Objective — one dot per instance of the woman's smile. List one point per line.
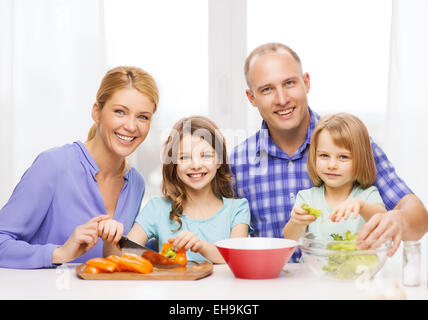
(125, 139)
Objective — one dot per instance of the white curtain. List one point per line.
(406, 138)
(52, 59)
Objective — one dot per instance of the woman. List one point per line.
(66, 199)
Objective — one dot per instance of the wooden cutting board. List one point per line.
(190, 272)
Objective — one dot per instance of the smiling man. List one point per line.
(270, 167)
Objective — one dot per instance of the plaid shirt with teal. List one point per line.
(270, 179)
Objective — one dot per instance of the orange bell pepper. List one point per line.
(92, 269)
(176, 256)
(102, 264)
(116, 259)
(134, 263)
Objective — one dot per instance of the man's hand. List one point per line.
(379, 228)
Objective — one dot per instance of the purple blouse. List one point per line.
(55, 195)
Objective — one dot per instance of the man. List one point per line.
(270, 166)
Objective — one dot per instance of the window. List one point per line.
(343, 45)
(168, 39)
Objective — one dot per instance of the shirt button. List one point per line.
(292, 196)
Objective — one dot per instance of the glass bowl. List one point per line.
(343, 260)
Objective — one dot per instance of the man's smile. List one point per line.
(285, 112)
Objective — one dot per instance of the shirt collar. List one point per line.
(266, 144)
(90, 163)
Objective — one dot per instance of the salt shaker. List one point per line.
(411, 263)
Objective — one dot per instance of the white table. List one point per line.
(296, 284)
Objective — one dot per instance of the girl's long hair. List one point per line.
(173, 189)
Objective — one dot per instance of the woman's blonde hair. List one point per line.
(173, 188)
(349, 132)
(123, 77)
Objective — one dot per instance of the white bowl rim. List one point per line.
(259, 243)
(304, 245)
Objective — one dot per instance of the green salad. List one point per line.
(313, 211)
(344, 265)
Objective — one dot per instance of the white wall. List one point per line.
(52, 60)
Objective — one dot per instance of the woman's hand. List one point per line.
(83, 238)
(188, 241)
(110, 231)
(345, 209)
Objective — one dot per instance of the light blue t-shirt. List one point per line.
(322, 227)
(154, 219)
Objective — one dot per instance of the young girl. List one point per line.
(342, 170)
(198, 206)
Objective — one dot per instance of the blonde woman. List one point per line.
(342, 169)
(67, 198)
(198, 206)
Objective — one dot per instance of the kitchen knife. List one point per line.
(158, 260)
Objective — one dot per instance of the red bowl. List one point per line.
(256, 258)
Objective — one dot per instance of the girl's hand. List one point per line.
(345, 209)
(301, 217)
(110, 231)
(187, 240)
(83, 238)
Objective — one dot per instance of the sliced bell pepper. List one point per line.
(102, 264)
(134, 263)
(176, 256)
(116, 259)
(92, 269)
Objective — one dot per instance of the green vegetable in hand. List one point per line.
(315, 212)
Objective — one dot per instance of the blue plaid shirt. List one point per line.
(270, 179)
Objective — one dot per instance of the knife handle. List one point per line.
(122, 241)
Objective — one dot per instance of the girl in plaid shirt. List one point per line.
(342, 169)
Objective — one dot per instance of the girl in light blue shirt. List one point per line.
(198, 206)
(342, 169)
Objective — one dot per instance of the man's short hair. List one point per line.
(267, 48)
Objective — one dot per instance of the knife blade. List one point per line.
(158, 260)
